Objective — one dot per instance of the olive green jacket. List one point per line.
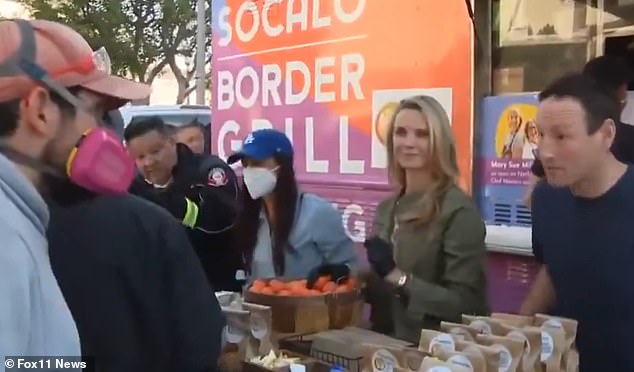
(445, 261)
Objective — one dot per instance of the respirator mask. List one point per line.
(98, 162)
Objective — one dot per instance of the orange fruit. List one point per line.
(267, 291)
(329, 287)
(295, 285)
(258, 284)
(342, 288)
(277, 285)
(303, 282)
(313, 292)
(321, 282)
(302, 291)
(284, 292)
(255, 289)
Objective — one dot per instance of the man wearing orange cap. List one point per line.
(132, 282)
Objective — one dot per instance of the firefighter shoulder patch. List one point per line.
(217, 177)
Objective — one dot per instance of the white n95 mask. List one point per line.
(259, 181)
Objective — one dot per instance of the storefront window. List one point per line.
(536, 41)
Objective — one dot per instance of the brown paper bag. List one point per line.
(568, 325)
(513, 319)
(459, 330)
(380, 358)
(571, 361)
(261, 326)
(510, 350)
(532, 339)
(412, 358)
(238, 330)
(430, 340)
(470, 359)
(553, 347)
(485, 325)
(490, 355)
(431, 364)
(377, 358)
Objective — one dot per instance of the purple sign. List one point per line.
(507, 172)
(509, 140)
(508, 146)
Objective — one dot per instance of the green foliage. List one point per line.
(141, 36)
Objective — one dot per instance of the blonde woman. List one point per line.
(428, 243)
(531, 134)
(514, 142)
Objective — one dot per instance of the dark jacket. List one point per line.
(137, 292)
(213, 186)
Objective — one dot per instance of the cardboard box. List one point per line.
(508, 80)
(344, 309)
(295, 315)
(345, 347)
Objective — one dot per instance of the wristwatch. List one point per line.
(402, 281)
(401, 291)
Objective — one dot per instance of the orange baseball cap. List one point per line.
(67, 58)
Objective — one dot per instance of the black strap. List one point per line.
(11, 66)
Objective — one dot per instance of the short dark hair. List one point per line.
(598, 103)
(10, 112)
(193, 124)
(613, 71)
(141, 126)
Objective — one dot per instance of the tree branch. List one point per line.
(156, 70)
(192, 87)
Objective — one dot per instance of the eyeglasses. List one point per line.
(102, 60)
(99, 60)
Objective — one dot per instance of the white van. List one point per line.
(176, 115)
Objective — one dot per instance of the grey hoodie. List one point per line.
(34, 317)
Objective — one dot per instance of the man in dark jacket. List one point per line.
(133, 284)
(201, 191)
(134, 287)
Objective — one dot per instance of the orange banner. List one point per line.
(339, 62)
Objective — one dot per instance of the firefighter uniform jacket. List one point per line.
(203, 196)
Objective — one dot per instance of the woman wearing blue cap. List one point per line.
(282, 231)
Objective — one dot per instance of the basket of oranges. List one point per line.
(298, 309)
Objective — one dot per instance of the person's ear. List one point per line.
(171, 139)
(608, 132)
(40, 113)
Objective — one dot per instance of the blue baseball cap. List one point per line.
(263, 144)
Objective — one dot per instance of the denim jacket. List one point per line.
(317, 237)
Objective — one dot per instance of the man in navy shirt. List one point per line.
(582, 223)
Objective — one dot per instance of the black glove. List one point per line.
(380, 256)
(337, 272)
